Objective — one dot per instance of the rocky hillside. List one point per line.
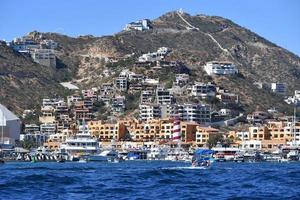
(194, 40)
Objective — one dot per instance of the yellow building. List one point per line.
(203, 134)
(53, 143)
(272, 136)
(159, 130)
(107, 131)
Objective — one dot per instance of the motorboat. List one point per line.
(104, 156)
(202, 158)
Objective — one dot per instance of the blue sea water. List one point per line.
(149, 180)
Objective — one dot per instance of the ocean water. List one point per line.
(149, 180)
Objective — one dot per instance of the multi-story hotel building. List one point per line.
(107, 131)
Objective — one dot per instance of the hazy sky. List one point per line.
(276, 20)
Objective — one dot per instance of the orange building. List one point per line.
(203, 134)
(107, 131)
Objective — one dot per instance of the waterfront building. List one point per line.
(203, 134)
(252, 145)
(10, 126)
(54, 141)
(107, 131)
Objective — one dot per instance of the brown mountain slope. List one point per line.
(211, 38)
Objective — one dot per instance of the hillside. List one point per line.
(193, 40)
(24, 82)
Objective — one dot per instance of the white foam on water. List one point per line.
(189, 168)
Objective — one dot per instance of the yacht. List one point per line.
(81, 143)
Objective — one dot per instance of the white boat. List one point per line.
(82, 161)
(228, 153)
(178, 154)
(81, 143)
(157, 153)
(104, 156)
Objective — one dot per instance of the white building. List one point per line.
(154, 56)
(31, 128)
(203, 90)
(278, 88)
(199, 113)
(139, 25)
(48, 129)
(220, 68)
(53, 102)
(44, 57)
(10, 126)
(294, 99)
(149, 111)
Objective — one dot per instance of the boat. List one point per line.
(202, 158)
(157, 152)
(104, 156)
(60, 160)
(225, 153)
(82, 160)
(238, 157)
(293, 155)
(81, 143)
(137, 154)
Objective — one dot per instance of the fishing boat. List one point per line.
(202, 158)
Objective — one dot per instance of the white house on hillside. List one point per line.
(10, 126)
(220, 68)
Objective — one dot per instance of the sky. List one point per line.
(275, 20)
